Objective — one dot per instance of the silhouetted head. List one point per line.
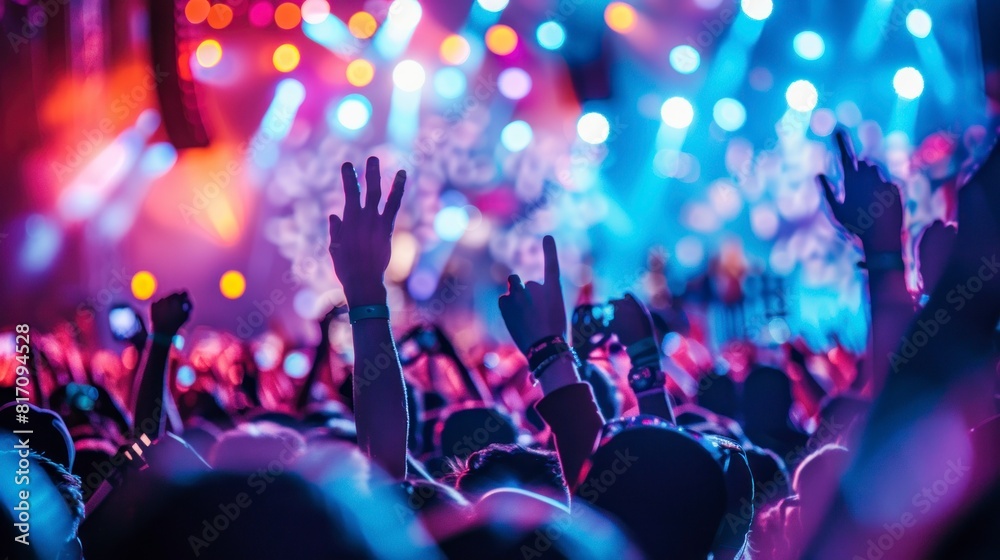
(663, 484)
(256, 444)
(511, 466)
(50, 436)
(464, 431)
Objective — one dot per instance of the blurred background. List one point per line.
(670, 146)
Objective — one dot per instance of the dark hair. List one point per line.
(464, 431)
(50, 538)
(510, 466)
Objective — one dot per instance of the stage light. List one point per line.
(296, 365)
(908, 83)
(315, 11)
(449, 83)
(220, 16)
(757, 9)
(620, 17)
(208, 53)
(287, 16)
(360, 72)
(493, 5)
(286, 58)
(593, 128)
(450, 223)
(408, 75)
(514, 83)
(809, 45)
(550, 35)
(919, 23)
(516, 136)
(802, 96)
(729, 114)
(354, 112)
(185, 376)
(362, 25)
(143, 285)
(406, 13)
(685, 59)
(454, 49)
(232, 284)
(677, 112)
(501, 40)
(261, 13)
(197, 10)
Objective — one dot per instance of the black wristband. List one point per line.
(543, 349)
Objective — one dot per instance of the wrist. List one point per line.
(370, 296)
(164, 339)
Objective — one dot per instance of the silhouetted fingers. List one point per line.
(831, 197)
(352, 191)
(551, 260)
(373, 179)
(847, 157)
(395, 199)
(335, 224)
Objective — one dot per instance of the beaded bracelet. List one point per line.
(368, 312)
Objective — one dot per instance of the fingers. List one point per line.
(352, 192)
(847, 156)
(335, 224)
(395, 198)
(551, 260)
(373, 179)
(831, 197)
(514, 284)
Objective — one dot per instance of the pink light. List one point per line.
(261, 14)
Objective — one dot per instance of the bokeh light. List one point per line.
(757, 9)
(232, 284)
(908, 83)
(143, 285)
(296, 365)
(516, 136)
(196, 11)
(593, 128)
(286, 58)
(729, 114)
(315, 11)
(408, 75)
(685, 59)
(287, 16)
(677, 112)
(919, 23)
(185, 376)
(802, 96)
(360, 72)
(501, 40)
(450, 223)
(809, 45)
(620, 17)
(449, 83)
(261, 14)
(362, 25)
(220, 16)
(550, 35)
(354, 112)
(514, 83)
(493, 5)
(208, 53)
(454, 49)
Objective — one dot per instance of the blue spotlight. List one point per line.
(516, 136)
(550, 35)
(685, 59)
(809, 45)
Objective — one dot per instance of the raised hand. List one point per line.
(170, 313)
(934, 249)
(360, 242)
(535, 311)
(632, 321)
(872, 209)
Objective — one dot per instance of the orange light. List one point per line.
(501, 39)
(197, 10)
(620, 17)
(362, 25)
(232, 284)
(455, 49)
(209, 53)
(287, 16)
(286, 58)
(220, 16)
(360, 72)
(143, 285)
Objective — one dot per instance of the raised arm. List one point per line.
(152, 394)
(872, 211)
(535, 315)
(360, 245)
(634, 327)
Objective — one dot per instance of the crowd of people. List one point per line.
(596, 448)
